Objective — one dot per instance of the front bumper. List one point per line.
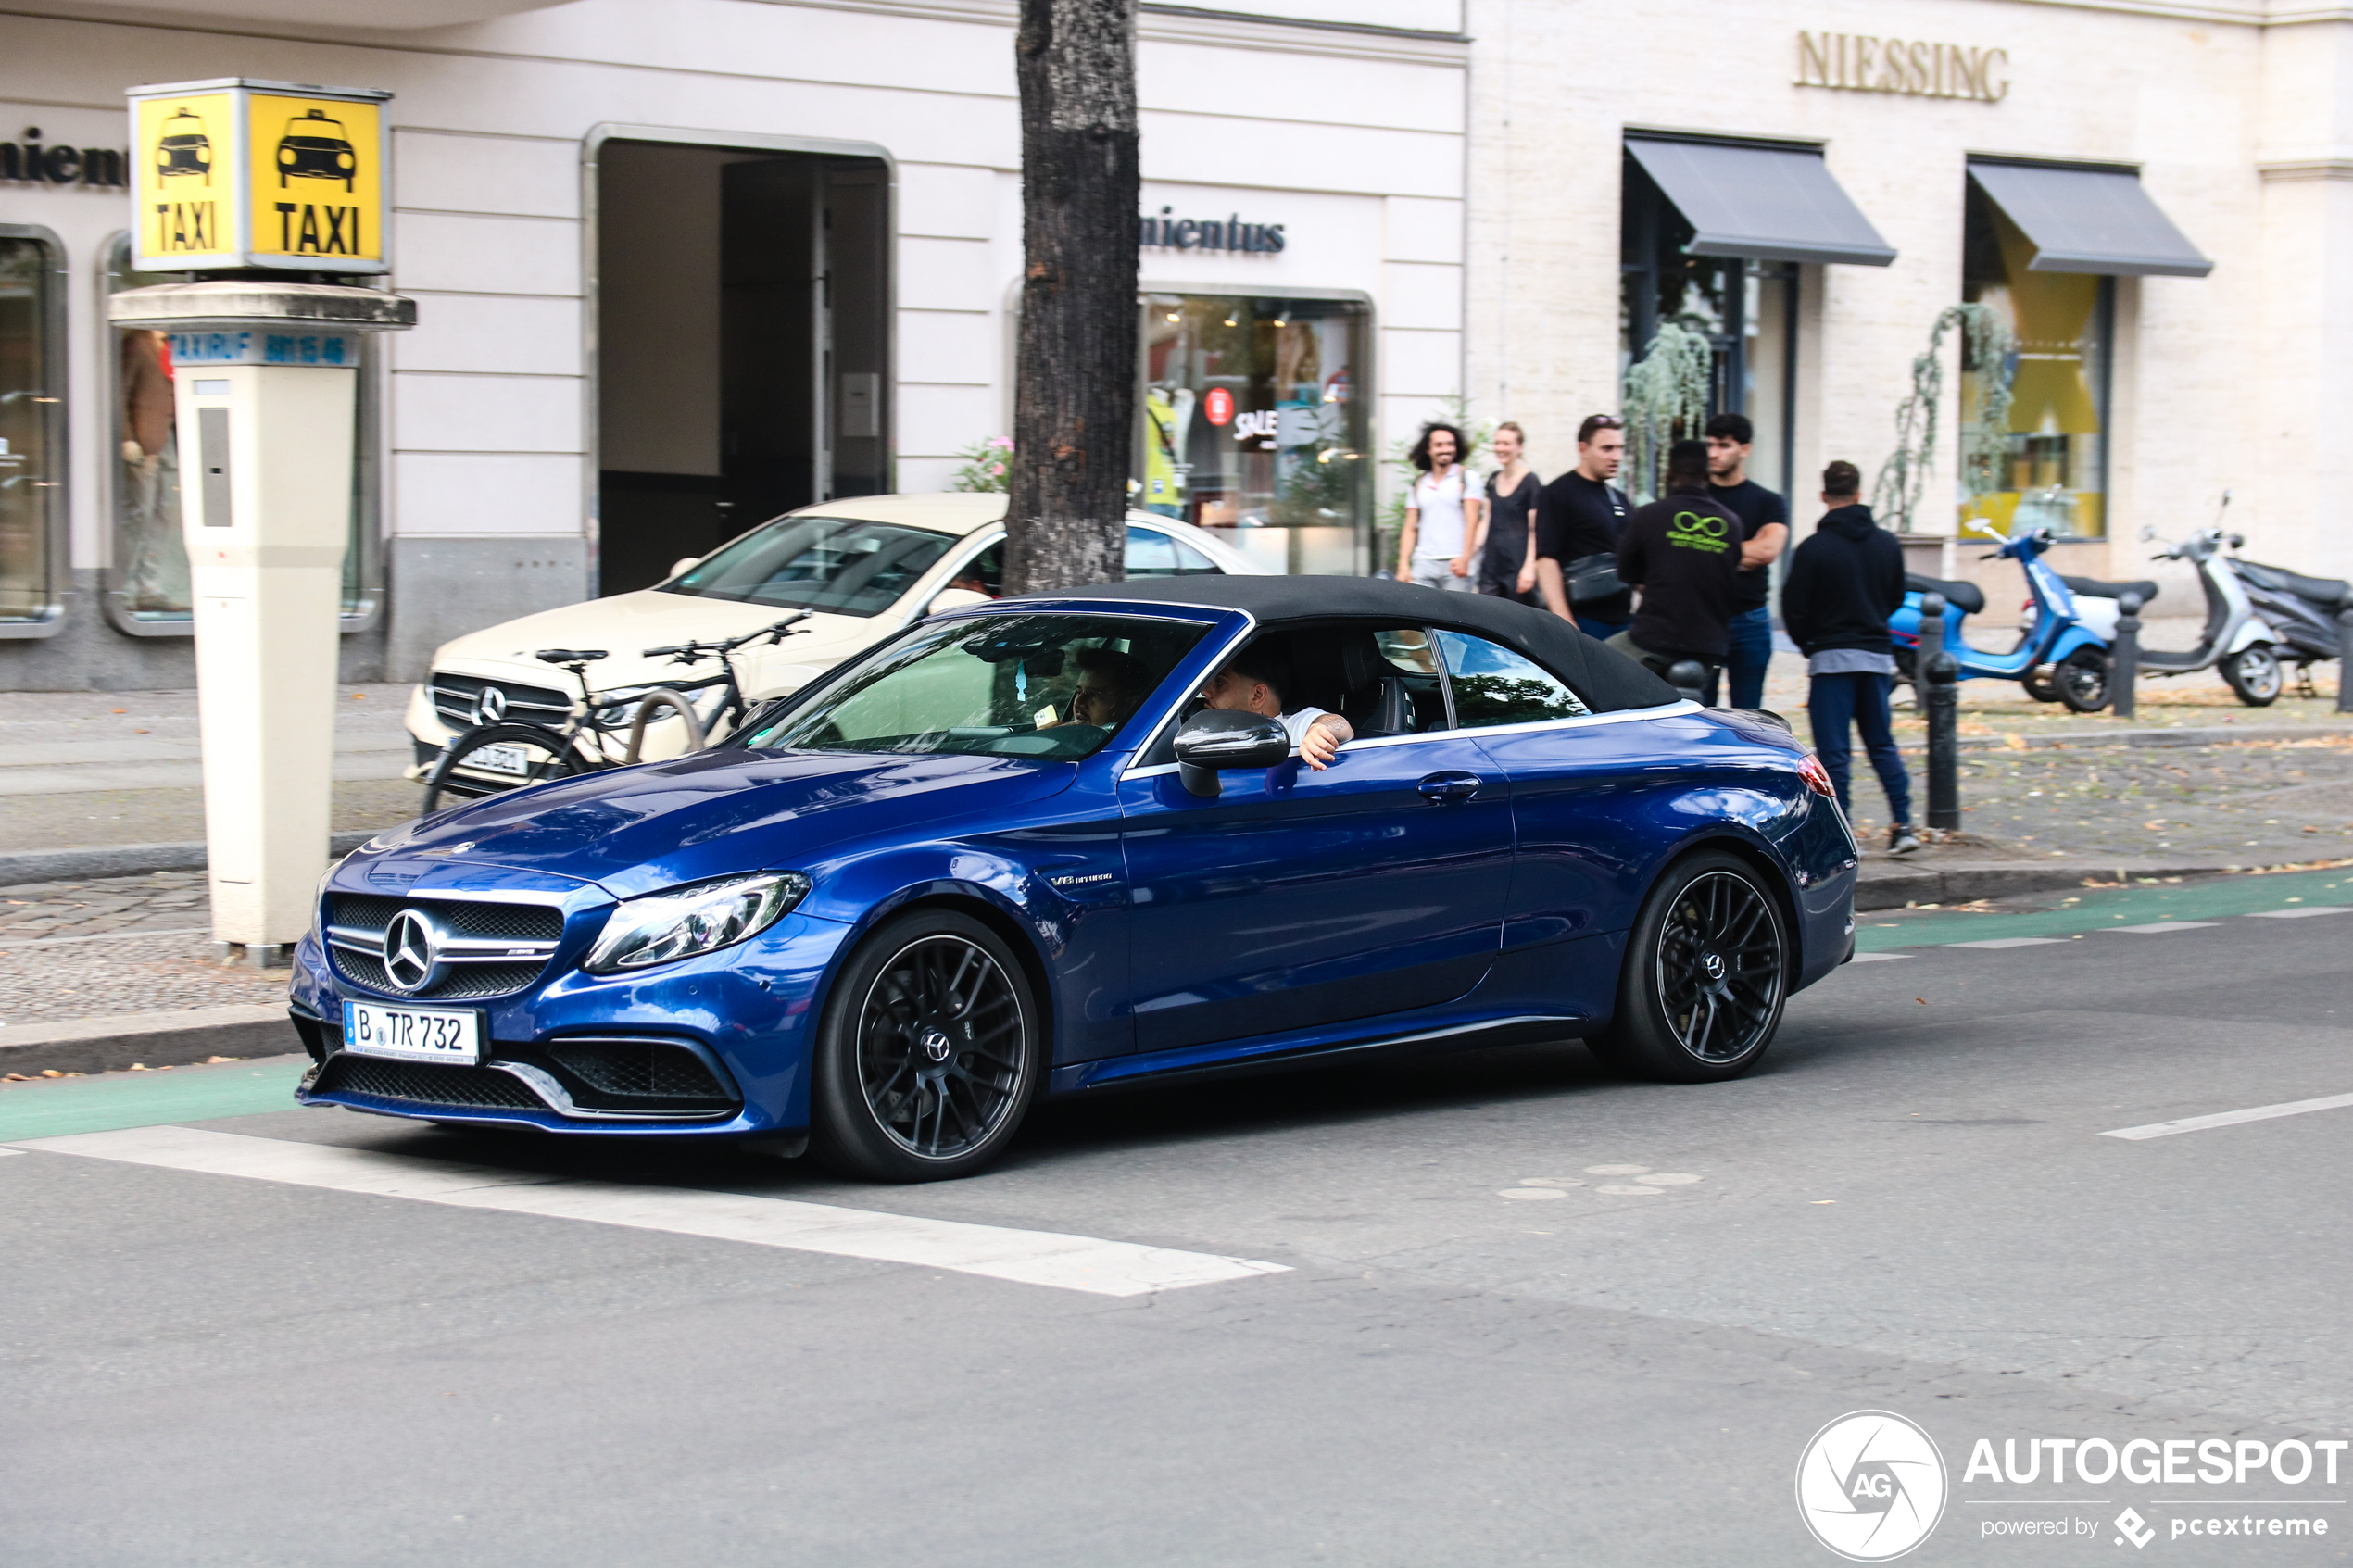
(555, 1053)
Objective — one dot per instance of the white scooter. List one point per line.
(2236, 640)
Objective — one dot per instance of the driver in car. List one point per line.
(1253, 682)
(1111, 685)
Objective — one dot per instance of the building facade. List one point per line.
(683, 266)
(2154, 195)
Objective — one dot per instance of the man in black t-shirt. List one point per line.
(1683, 551)
(1579, 515)
(1751, 649)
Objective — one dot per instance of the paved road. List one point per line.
(1490, 1340)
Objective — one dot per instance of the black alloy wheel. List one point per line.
(495, 758)
(2080, 680)
(2255, 674)
(929, 1054)
(1707, 973)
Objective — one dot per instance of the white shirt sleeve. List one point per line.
(1295, 724)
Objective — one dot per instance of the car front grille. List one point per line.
(425, 1082)
(454, 698)
(481, 949)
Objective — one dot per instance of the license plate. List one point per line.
(511, 760)
(412, 1033)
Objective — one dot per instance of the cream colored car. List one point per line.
(864, 568)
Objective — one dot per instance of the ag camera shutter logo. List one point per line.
(1871, 1486)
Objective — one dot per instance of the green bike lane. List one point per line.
(54, 1107)
(2098, 908)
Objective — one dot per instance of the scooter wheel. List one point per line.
(2080, 680)
(2037, 683)
(2255, 674)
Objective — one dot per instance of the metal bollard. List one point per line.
(1931, 642)
(1689, 677)
(2344, 659)
(2125, 658)
(1941, 696)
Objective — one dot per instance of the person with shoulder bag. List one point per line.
(1579, 517)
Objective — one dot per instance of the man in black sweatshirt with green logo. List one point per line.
(1683, 551)
(1843, 582)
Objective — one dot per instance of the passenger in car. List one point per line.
(1111, 685)
(1253, 681)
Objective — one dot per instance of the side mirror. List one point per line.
(1213, 739)
(2147, 533)
(684, 565)
(954, 598)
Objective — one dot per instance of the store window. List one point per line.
(32, 493)
(2054, 462)
(147, 582)
(1255, 421)
(1746, 309)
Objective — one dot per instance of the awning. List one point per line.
(1769, 203)
(2089, 221)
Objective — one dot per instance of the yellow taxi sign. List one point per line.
(236, 173)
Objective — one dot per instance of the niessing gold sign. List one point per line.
(1853, 63)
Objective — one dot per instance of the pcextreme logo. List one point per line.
(1697, 531)
(1870, 1486)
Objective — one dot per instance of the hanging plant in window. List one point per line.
(1666, 398)
(1990, 348)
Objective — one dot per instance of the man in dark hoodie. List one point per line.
(1844, 584)
(1683, 551)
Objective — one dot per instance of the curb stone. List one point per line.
(1891, 884)
(20, 867)
(2205, 736)
(157, 1039)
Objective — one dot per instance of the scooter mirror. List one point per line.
(2147, 534)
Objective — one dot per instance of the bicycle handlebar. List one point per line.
(694, 651)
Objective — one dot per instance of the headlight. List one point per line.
(664, 927)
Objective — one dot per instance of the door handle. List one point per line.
(1442, 789)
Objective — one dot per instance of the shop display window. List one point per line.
(33, 493)
(2054, 463)
(1746, 309)
(147, 583)
(1254, 419)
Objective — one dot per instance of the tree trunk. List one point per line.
(1075, 364)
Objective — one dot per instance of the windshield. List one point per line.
(840, 565)
(1050, 687)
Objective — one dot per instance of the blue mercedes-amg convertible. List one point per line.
(1010, 853)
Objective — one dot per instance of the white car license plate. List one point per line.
(509, 759)
(413, 1033)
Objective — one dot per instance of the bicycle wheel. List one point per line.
(497, 758)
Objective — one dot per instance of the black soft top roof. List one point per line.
(1607, 680)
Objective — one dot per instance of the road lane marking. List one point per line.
(2163, 926)
(2231, 1118)
(1067, 1263)
(1995, 942)
(2299, 914)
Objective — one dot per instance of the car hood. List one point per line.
(625, 624)
(717, 813)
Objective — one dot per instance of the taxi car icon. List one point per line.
(314, 147)
(183, 148)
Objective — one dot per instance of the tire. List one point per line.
(929, 1055)
(2255, 674)
(452, 781)
(2080, 680)
(1706, 976)
(2037, 683)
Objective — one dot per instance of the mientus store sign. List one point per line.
(1166, 232)
(1851, 62)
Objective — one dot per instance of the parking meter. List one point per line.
(266, 376)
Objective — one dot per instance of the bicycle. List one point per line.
(492, 758)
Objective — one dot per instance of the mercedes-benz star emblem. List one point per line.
(411, 951)
(490, 704)
(935, 1044)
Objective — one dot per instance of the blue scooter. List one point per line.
(2077, 657)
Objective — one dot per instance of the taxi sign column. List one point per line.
(271, 192)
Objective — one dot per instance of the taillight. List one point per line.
(1817, 777)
